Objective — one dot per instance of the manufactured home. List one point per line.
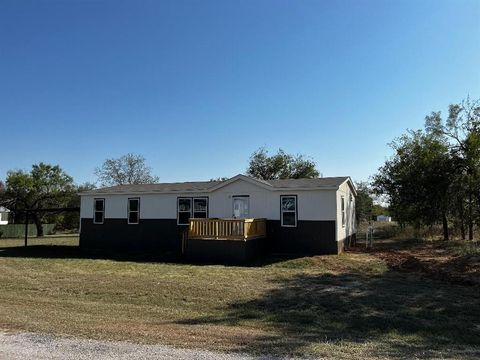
(234, 219)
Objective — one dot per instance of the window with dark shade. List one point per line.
(343, 210)
(99, 211)
(133, 211)
(288, 204)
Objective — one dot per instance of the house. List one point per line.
(384, 218)
(232, 219)
(4, 215)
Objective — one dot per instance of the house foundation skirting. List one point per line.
(223, 251)
(308, 237)
(117, 235)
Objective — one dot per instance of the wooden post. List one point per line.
(26, 228)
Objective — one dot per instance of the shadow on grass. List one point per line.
(76, 252)
(141, 255)
(407, 316)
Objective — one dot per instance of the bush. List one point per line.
(387, 231)
(18, 230)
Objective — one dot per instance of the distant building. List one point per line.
(4, 215)
(384, 218)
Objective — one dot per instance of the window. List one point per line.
(241, 206)
(200, 208)
(343, 210)
(184, 210)
(133, 210)
(288, 210)
(98, 211)
(191, 208)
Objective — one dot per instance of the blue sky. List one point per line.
(197, 86)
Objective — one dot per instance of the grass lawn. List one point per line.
(354, 305)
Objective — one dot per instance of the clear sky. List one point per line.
(197, 86)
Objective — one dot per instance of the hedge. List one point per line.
(18, 230)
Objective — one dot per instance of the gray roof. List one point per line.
(309, 183)
(205, 186)
(161, 187)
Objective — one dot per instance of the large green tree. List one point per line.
(417, 180)
(434, 175)
(45, 186)
(280, 166)
(462, 131)
(127, 169)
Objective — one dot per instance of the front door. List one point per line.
(241, 208)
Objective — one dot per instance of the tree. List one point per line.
(45, 186)
(280, 166)
(417, 180)
(378, 209)
(462, 130)
(363, 202)
(70, 220)
(127, 169)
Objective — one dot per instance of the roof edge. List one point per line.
(248, 179)
(261, 183)
(350, 183)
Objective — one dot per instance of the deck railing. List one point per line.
(226, 229)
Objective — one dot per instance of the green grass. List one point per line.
(61, 239)
(346, 306)
(459, 247)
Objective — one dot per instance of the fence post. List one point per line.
(369, 237)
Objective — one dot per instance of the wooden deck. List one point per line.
(227, 229)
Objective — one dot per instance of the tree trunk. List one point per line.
(461, 217)
(470, 216)
(445, 226)
(38, 225)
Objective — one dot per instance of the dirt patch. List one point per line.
(431, 259)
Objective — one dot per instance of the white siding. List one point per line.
(86, 207)
(264, 203)
(222, 202)
(349, 228)
(312, 205)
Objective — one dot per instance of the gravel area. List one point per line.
(39, 346)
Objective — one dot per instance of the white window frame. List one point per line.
(192, 207)
(133, 211)
(99, 211)
(206, 206)
(295, 212)
(178, 209)
(245, 197)
(342, 210)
